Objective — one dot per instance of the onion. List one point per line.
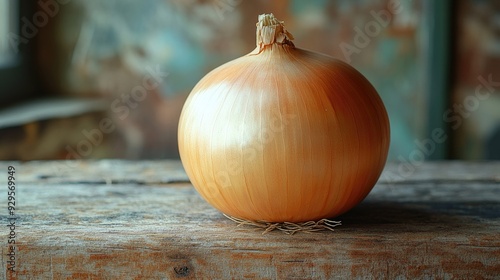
(283, 134)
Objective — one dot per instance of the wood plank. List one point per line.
(171, 171)
(75, 224)
(101, 171)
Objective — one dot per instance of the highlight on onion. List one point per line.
(283, 134)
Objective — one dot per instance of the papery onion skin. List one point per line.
(284, 135)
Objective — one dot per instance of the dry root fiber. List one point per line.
(288, 228)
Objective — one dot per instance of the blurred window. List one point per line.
(8, 25)
(16, 76)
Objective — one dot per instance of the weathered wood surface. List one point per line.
(143, 220)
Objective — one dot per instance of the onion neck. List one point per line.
(271, 31)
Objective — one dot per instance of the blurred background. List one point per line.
(108, 78)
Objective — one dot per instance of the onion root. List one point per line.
(287, 227)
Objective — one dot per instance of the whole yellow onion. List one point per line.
(283, 134)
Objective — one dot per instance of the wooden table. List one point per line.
(113, 219)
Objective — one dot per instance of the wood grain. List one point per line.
(116, 219)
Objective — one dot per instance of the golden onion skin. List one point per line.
(284, 135)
